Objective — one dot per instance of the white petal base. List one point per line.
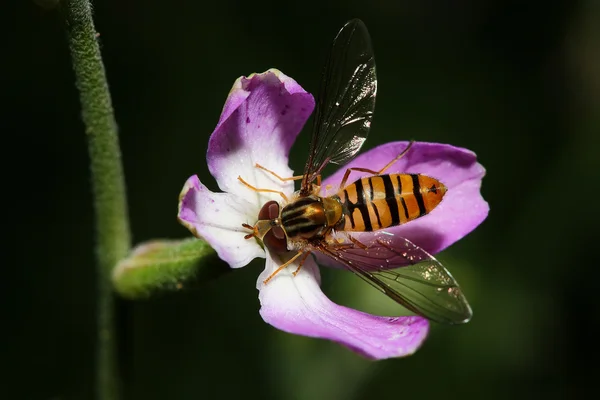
(218, 218)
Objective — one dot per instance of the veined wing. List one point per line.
(407, 274)
(345, 102)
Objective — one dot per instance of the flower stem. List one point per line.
(112, 225)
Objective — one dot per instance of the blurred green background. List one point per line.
(517, 82)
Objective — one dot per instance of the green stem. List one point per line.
(112, 225)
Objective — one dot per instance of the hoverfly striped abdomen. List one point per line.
(310, 216)
(382, 201)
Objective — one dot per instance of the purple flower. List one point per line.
(261, 118)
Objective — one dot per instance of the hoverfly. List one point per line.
(309, 222)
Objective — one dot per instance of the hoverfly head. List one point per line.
(268, 228)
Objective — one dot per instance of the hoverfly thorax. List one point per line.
(311, 216)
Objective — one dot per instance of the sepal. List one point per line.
(166, 265)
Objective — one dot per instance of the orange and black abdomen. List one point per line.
(382, 201)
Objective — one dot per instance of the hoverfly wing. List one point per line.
(345, 102)
(407, 274)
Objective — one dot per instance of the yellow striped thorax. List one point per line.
(311, 216)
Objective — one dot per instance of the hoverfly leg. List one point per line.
(262, 190)
(399, 156)
(300, 264)
(381, 171)
(282, 266)
(293, 178)
(340, 246)
(358, 243)
(338, 243)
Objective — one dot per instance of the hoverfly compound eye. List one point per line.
(269, 211)
(273, 210)
(278, 232)
(275, 239)
(274, 243)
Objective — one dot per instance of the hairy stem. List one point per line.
(112, 225)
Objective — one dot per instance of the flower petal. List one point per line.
(217, 218)
(297, 305)
(260, 121)
(462, 209)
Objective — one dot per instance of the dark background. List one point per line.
(517, 82)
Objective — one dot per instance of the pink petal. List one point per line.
(462, 209)
(217, 218)
(297, 305)
(260, 121)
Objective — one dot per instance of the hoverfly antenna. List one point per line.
(252, 228)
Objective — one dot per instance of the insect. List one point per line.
(309, 222)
